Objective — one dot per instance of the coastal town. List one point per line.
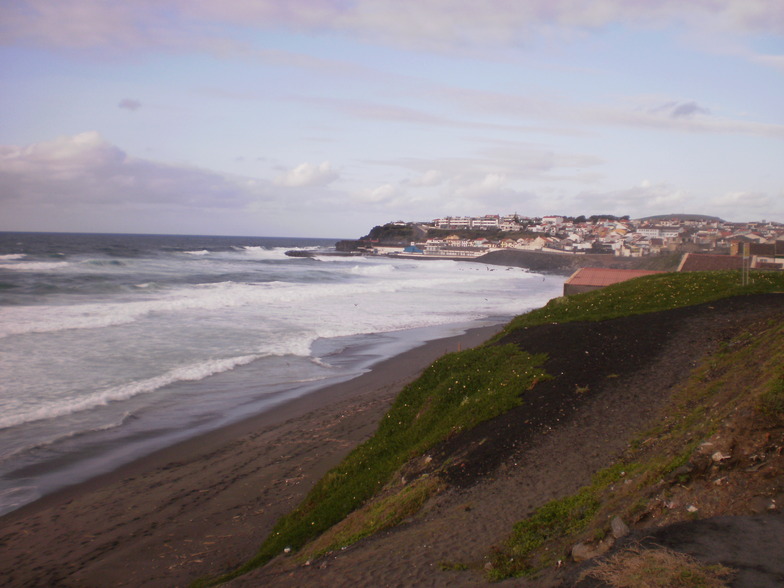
(761, 243)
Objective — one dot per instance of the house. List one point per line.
(386, 249)
(703, 262)
(592, 278)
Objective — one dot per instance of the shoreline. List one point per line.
(284, 404)
(138, 524)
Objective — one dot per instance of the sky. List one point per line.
(324, 118)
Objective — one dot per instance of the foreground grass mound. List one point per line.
(636, 567)
(648, 294)
(453, 394)
(458, 392)
(712, 452)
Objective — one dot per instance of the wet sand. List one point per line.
(203, 506)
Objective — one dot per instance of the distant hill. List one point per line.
(683, 217)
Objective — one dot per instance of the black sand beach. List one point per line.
(206, 504)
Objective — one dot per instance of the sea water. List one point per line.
(112, 346)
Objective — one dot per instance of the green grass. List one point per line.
(455, 393)
(380, 513)
(648, 294)
(550, 524)
(772, 401)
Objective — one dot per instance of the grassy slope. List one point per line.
(733, 402)
(457, 392)
(648, 294)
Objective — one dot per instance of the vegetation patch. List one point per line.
(659, 567)
(536, 541)
(648, 294)
(454, 394)
(661, 462)
(772, 401)
(376, 515)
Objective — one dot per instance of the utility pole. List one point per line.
(746, 265)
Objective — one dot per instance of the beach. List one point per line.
(203, 506)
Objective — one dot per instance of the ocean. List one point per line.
(113, 346)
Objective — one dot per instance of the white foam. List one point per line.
(269, 299)
(10, 498)
(12, 256)
(262, 253)
(200, 252)
(37, 266)
(373, 270)
(72, 405)
(57, 438)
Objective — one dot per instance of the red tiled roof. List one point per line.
(701, 262)
(600, 276)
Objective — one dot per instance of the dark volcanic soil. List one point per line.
(627, 365)
(612, 378)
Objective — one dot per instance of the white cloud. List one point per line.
(460, 23)
(748, 201)
(307, 175)
(86, 169)
(646, 198)
(380, 194)
(489, 185)
(430, 24)
(502, 162)
(774, 61)
(431, 177)
(85, 183)
(746, 205)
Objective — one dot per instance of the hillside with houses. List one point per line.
(760, 243)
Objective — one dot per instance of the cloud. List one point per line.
(85, 169)
(744, 205)
(641, 112)
(744, 200)
(437, 25)
(307, 175)
(644, 199)
(380, 194)
(511, 160)
(129, 104)
(491, 184)
(774, 61)
(429, 24)
(681, 109)
(431, 177)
